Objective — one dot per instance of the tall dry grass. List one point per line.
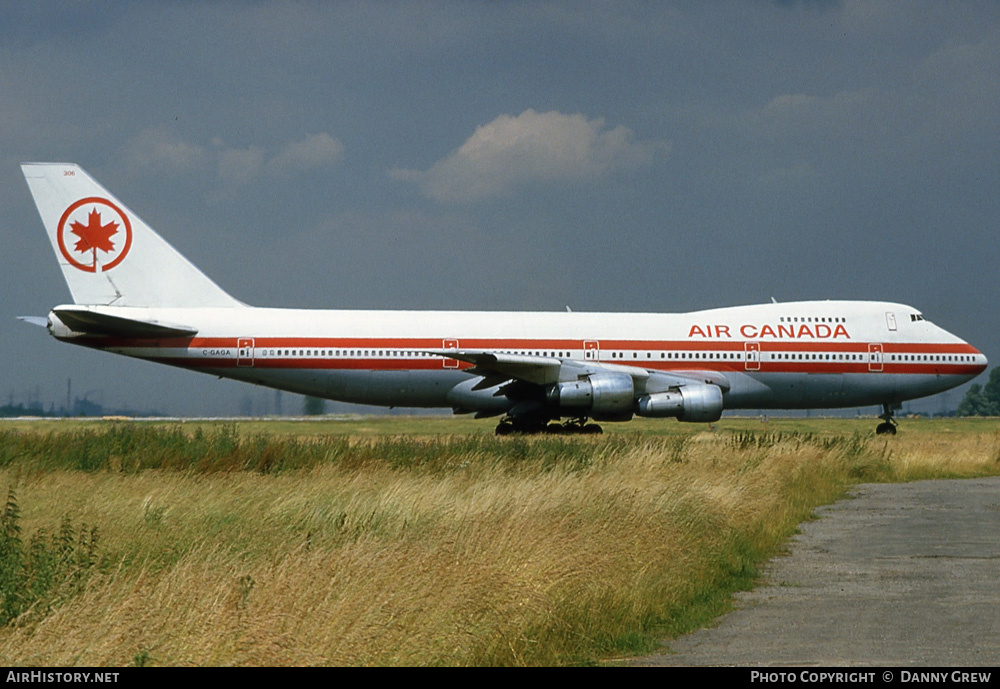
(232, 550)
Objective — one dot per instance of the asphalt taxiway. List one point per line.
(902, 574)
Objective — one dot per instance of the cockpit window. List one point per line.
(916, 317)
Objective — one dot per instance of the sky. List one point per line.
(607, 156)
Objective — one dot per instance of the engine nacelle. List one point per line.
(599, 395)
(695, 403)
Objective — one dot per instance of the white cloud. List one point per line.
(158, 149)
(512, 152)
(316, 151)
(163, 152)
(238, 167)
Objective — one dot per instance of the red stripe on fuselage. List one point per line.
(525, 345)
(354, 353)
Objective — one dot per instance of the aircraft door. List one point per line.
(752, 350)
(244, 351)
(875, 357)
(450, 344)
(591, 350)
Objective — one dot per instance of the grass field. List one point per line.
(380, 541)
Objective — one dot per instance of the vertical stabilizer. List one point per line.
(107, 254)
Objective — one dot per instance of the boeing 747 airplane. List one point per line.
(134, 294)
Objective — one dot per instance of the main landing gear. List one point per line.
(888, 425)
(533, 426)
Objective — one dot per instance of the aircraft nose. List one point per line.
(980, 362)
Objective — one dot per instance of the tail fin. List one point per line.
(108, 255)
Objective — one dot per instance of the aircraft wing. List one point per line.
(496, 367)
(540, 370)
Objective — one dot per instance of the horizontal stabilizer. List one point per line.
(89, 322)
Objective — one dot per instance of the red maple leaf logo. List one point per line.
(94, 235)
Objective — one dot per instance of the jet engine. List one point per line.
(697, 403)
(600, 395)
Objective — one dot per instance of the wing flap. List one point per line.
(489, 380)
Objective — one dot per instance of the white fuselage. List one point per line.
(776, 356)
(134, 294)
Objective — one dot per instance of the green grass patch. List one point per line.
(224, 543)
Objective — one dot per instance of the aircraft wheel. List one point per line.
(593, 429)
(556, 429)
(526, 426)
(504, 428)
(885, 429)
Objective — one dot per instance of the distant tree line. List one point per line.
(982, 400)
(81, 407)
(15, 410)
